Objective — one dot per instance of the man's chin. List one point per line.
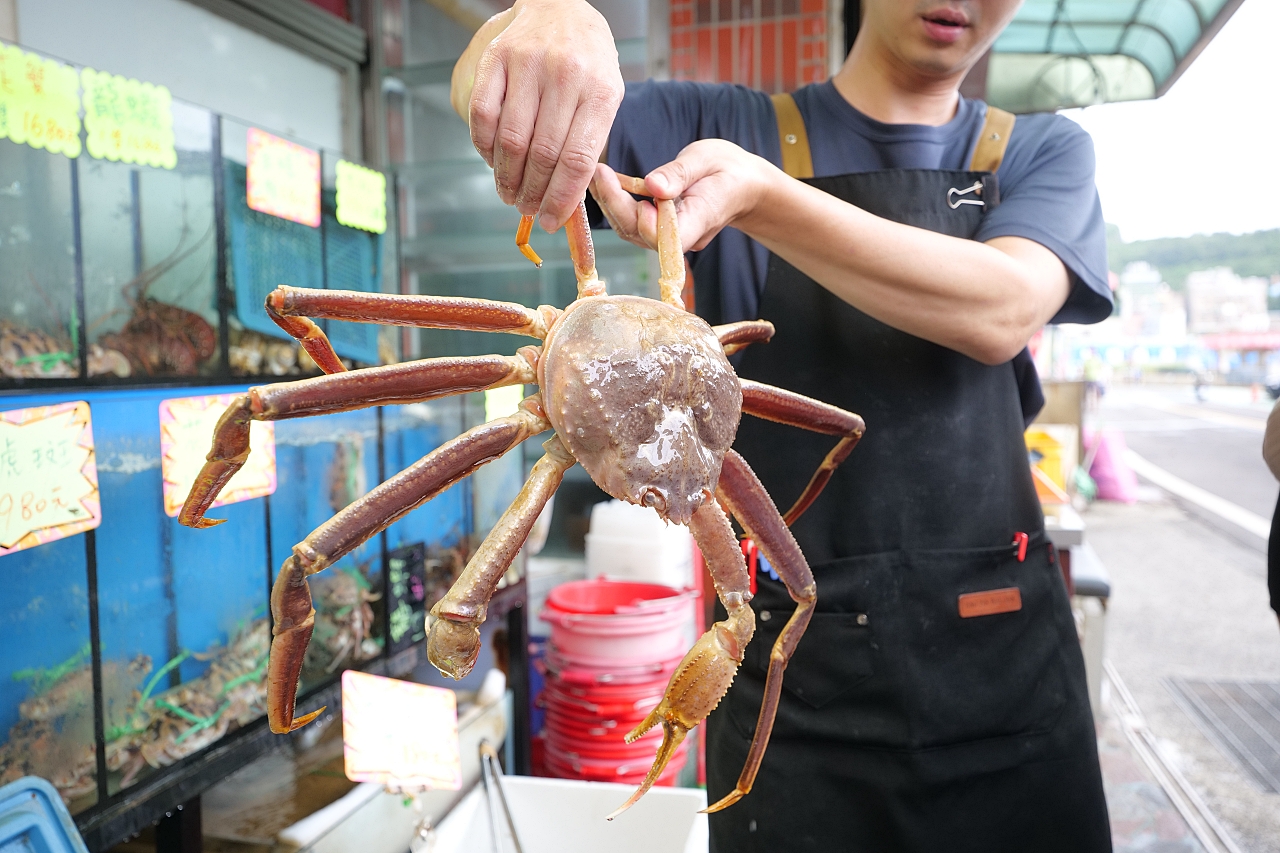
(941, 63)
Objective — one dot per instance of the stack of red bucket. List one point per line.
(612, 649)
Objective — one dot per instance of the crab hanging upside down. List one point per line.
(638, 391)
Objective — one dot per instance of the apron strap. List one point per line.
(792, 137)
(992, 141)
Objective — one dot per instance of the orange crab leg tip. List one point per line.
(299, 722)
(724, 803)
(635, 186)
(205, 523)
(522, 240)
(528, 252)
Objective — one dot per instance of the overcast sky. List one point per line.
(1205, 157)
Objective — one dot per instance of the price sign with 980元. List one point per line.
(48, 475)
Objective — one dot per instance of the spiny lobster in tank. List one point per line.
(638, 391)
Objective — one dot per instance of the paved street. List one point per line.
(1189, 595)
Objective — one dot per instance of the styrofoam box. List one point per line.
(568, 816)
(629, 542)
(667, 559)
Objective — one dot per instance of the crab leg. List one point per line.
(581, 250)
(522, 240)
(788, 407)
(291, 604)
(454, 641)
(670, 252)
(744, 496)
(410, 382)
(735, 336)
(291, 308)
(705, 673)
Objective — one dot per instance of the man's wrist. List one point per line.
(767, 186)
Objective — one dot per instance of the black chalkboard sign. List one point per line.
(406, 574)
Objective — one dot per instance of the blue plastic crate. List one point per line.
(34, 820)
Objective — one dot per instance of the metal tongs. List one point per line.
(491, 774)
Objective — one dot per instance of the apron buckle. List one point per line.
(955, 196)
(1020, 540)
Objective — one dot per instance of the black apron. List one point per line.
(904, 726)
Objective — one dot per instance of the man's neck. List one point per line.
(880, 86)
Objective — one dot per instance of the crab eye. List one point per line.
(653, 498)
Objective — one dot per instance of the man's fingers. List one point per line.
(624, 213)
(515, 130)
(550, 134)
(582, 146)
(485, 108)
(671, 180)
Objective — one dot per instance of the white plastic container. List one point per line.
(628, 542)
(568, 816)
(545, 574)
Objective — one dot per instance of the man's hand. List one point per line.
(715, 181)
(985, 300)
(539, 86)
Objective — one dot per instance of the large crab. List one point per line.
(638, 391)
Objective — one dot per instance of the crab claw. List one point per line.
(453, 644)
(228, 455)
(695, 689)
(294, 621)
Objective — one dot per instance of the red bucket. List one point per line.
(568, 765)
(618, 622)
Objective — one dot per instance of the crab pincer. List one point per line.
(226, 457)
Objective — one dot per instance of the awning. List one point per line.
(1058, 54)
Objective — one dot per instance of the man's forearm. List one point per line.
(984, 300)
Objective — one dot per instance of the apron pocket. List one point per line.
(833, 655)
(917, 675)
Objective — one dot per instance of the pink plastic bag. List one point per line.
(1116, 480)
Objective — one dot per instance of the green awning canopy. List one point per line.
(1073, 53)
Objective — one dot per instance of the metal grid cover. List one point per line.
(1242, 717)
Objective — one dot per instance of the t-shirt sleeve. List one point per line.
(658, 119)
(1047, 194)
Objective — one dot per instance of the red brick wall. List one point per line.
(774, 45)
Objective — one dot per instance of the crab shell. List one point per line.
(644, 398)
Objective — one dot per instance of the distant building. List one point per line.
(1220, 301)
(1149, 308)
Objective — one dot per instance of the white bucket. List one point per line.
(568, 816)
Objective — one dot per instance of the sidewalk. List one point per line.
(1187, 601)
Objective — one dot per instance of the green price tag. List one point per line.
(362, 198)
(39, 103)
(127, 120)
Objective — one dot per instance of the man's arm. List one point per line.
(985, 300)
(539, 86)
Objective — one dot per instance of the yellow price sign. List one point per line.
(186, 434)
(501, 402)
(39, 102)
(127, 120)
(282, 178)
(48, 475)
(362, 197)
(379, 747)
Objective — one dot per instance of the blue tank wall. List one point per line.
(163, 587)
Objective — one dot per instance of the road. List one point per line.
(1215, 444)
(1188, 570)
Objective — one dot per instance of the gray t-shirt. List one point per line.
(1046, 179)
